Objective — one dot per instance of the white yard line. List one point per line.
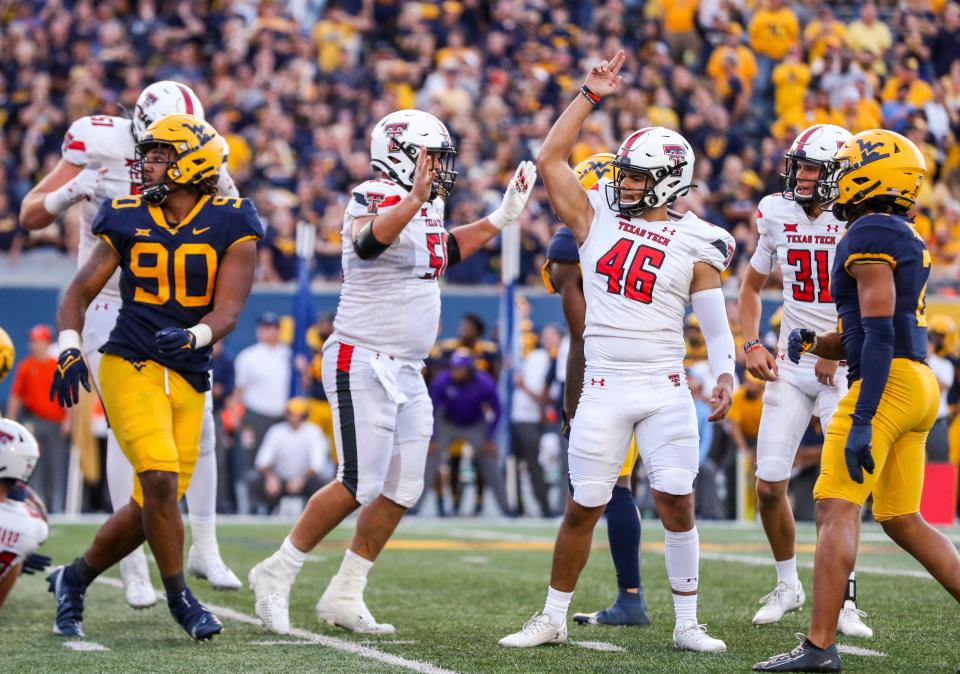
(808, 564)
(599, 646)
(85, 646)
(319, 639)
(857, 650)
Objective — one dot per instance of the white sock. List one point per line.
(288, 558)
(787, 573)
(682, 556)
(203, 536)
(354, 566)
(201, 496)
(685, 606)
(556, 606)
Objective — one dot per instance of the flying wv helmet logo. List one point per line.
(200, 132)
(678, 155)
(870, 151)
(393, 130)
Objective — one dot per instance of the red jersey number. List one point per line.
(437, 247)
(636, 280)
(813, 275)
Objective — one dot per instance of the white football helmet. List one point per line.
(19, 452)
(815, 145)
(161, 99)
(397, 138)
(659, 153)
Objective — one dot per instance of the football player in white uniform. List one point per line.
(98, 164)
(23, 525)
(800, 237)
(395, 248)
(641, 267)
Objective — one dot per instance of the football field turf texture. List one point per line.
(453, 587)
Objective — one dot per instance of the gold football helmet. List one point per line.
(199, 155)
(876, 166)
(595, 167)
(7, 354)
(948, 336)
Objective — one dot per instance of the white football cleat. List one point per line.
(212, 569)
(135, 575)
(782, 600)
(536, 632)
(850, 622)
(342, 605)
(693, 637)
(271, 598)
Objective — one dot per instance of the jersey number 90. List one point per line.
(151, 260)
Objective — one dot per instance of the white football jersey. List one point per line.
(21, 533)
(102, 141)
(804, 250)
(636, 281)
(391, 303)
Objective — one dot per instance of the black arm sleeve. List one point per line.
(453, 250)
(365, 244)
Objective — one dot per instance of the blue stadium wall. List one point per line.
(21, 308)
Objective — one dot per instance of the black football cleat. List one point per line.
(193, 616)
(69, 619)
(804, 658)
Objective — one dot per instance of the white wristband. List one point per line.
(56, 202)
(202, 334)
(499, 219)
(69, 339)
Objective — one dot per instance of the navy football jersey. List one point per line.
(168, 273)
(889, 239)
(562, 248)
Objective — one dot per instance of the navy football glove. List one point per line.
(34, 563)
(174, 343)
(71, 372)
(857, 449)
(799, 342)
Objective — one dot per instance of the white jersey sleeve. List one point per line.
(764, 258)
(391, 303)
(716, 245)
(21, 533)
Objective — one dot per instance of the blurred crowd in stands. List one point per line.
(296, 86)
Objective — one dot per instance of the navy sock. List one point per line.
(623, 533)
(80, 573)
(174, 584)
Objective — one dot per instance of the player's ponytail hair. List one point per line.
(208, 186)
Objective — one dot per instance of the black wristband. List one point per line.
(589, 95)
(365, 244)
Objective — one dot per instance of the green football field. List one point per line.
(453, 587)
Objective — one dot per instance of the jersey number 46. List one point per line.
(636, 280)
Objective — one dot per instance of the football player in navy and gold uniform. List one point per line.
(875, 442)
(187, 259)
(561, 275)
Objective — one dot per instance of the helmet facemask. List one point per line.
(445, 175)
(155, 193)
(822, 192)
(649, 197)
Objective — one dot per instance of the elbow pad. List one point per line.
(711, 310)
(453, 250)
(365, 244)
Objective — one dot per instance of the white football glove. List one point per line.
(83, 186)
(516, 196)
